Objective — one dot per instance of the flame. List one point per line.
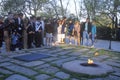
(90, 61)
(96, 54)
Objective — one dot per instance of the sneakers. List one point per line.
(92, 46)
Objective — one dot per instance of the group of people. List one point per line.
(18, 32)
(88, 33)
(11, 30)
(83, 33)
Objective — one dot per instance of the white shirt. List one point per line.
(37, 25)
(43, 24)
(19, 21)
(86, 26)
(59, 29)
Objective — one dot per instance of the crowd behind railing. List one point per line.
(19, 33)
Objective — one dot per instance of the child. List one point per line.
(14, 41)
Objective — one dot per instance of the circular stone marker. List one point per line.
(76, 67)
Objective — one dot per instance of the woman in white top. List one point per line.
(59, 30)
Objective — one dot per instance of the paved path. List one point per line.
(51, 68)
(115, 45)
(103, 44)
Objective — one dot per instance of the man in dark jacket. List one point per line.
(86, 30)
(19, 26)
(38, 32)
(31, 32)
(1, 31)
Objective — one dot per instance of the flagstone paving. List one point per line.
(54, 79)
(17, 77)
(42, 77)
(51, 68)
(5, 71)
(62, 75)
(33, 63)
(20, 69)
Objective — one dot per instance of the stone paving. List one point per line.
(51, 68)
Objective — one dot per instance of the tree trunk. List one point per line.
(25, 38)
(76, 9)
(67, 6)
(35, 12)
(62, 8)
(54, 6)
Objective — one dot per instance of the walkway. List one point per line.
(104, 44)
(51, 68)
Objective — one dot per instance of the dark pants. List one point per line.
(1, 37)
(13, 46)
(38, 39)
(30, 40)
(1, 40)
(20, 39)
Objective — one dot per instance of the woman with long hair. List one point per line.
(76, 32)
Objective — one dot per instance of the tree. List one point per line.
(53, 3)
(34, 6)
(62, 9)
(30, 7)
(91, 7)
(98, 7)
(59, 9)
(75, 8)
(12, 5)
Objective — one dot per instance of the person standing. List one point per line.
(38, 32)
(19, 28)
(59, 30)
(63, 29)
(63, 25)
(86, 29)
(20, 24)
(25, 38)
(49, 33)
(9, 24)
(93, 33)
(43, 30)
(14, 41)
(76, 33)
(70, 30)
(30, 32)
(1, 31)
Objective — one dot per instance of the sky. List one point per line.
(71, 7)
